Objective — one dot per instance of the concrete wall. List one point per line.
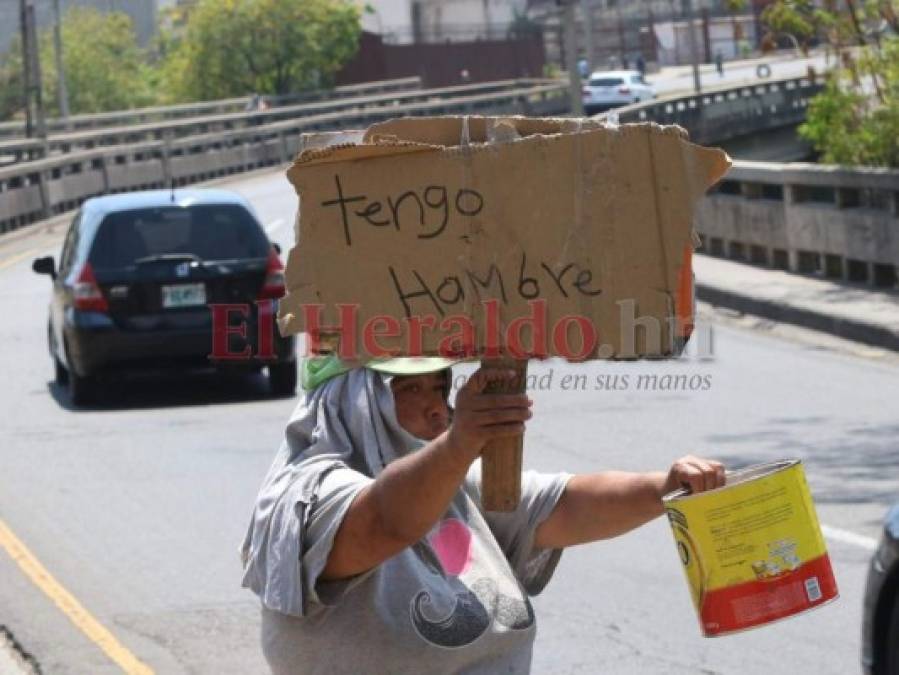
(807, 218)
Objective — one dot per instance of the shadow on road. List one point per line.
(859, 466)
(167, 391)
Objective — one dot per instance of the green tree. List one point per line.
(234, 47)
(105, 70)
(855, 120)
(12, 101)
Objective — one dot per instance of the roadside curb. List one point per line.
(45, 226)
(850, 329)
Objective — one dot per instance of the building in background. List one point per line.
(446, 42)
(142, 12)
(430, 21)
(656, 30)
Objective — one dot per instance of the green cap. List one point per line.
(319, 369)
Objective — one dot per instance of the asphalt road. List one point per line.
(137, 506)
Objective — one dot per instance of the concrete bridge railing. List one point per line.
(832, 221)
(837, 222)
(725, 113)
(19, 150)
(34, 190)
(118, 118)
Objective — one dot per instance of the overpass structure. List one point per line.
(120, 128)
(153, 156)
(837, 222)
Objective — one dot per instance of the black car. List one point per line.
(880, 625)
(166, 280)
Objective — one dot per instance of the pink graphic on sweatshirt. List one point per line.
(478, 602)
(452, 544)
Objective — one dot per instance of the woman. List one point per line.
(368, 546)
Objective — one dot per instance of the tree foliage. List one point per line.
(855, 120)
(207, 50)
(104, 68)
(234, 47)
(11, 95)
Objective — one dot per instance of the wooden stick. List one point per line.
(501, 458)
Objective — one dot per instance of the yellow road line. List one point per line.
(70, 606)
(12, 260)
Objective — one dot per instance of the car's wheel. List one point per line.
(82, 389)
(61, 375)
(892, 643)
(282, 378)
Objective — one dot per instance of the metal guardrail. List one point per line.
(34, 190)
(24, 149)
(16, 130)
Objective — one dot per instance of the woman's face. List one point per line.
(421, 405)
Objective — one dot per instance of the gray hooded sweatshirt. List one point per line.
(455, 602)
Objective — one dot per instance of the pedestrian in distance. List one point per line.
(369, 547)
(719, 63)
(583, 68)
(641, 65)
(253, 103)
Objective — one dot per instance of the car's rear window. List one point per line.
(208, 231)
(606, 81)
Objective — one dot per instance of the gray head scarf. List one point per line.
(349, 420)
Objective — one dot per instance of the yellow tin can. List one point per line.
(752, 550)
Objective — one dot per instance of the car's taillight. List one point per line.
(273, 287)
(624, 90)
(86, 294)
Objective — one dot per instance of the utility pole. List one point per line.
(62, 93)
(622, 41)
(26, 68)
(574, 78)
(589, 37)
(40, 123)
(32, 73)
(694, 49)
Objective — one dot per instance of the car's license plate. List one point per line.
(183, 295)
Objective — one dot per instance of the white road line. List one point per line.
(847, 537)
(274, 225)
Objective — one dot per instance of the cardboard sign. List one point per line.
(472, 235)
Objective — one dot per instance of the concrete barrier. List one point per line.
(24, 149)
(838, 222)
(725, 113)
(34, 190)
(118, 118)
(806, 218)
